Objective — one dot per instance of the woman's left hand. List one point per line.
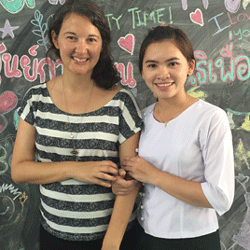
(141, 170)
(123, 186)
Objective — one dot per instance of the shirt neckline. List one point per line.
(174, 119)
(80, 114)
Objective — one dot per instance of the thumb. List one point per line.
(122, 172)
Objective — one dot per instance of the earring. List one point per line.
(155, 95)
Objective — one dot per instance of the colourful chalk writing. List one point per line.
(30, 69)
(15, 6)
(239, 67)
(139, 19)
(127, 79)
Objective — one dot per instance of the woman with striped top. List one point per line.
(79, 127)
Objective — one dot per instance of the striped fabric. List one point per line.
(71, 209)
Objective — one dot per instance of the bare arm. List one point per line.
(123, 204)
(25, 169)
(185, 190)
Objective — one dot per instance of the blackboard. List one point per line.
(219, 32)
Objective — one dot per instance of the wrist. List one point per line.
(71, 170)
(110, 245)
(156, 177)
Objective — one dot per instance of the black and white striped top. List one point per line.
(71, 209)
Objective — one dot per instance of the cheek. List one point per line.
(148, 76)
(97, 51)
(65, 48)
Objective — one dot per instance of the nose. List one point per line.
(163, 73)
(81, 46)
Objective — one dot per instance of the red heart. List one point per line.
(127, 43)
(197, 17)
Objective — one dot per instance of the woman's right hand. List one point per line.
(97, 172)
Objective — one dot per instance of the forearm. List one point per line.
(185, 190)
(122, 211)
(42, 173)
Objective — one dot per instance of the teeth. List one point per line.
(80, 60)
(164, 84)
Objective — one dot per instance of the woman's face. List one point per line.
(165, 69)
(79, 43)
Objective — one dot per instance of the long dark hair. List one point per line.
(104, 73)
(166, 32)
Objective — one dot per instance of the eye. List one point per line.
(152, 65)
(72, 38)
(91, 39)
(173, 63)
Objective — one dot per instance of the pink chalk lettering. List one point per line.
(11, 71)
(25, 62)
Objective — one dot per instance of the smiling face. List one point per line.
(165, 69)
(79, 43)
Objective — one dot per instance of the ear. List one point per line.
(191, 67)
(54, 39)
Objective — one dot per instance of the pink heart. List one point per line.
(127, 43)
(8, 101)
(197, 17)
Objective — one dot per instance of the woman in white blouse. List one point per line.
(185, 157)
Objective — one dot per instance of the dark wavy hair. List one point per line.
(104, 73)
(167, 32)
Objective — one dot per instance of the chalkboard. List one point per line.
(219, 32)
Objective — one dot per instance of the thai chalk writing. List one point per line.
(229, 67)
(127, 79)
(14, 66)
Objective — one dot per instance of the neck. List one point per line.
(77, 83)
(174, 102)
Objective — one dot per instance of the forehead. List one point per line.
(166, 49)
(76, 22)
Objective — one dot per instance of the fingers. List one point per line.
(102, 183)
(109, 163)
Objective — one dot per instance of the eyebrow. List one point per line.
(73, 33)
(168, 60)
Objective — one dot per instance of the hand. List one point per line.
(98, 172)
(123, 186)
(141, 170)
